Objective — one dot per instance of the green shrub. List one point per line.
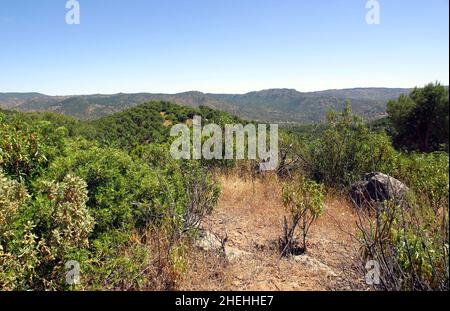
(64, 198)
(12, 197)
(19, 257)
(113, 262)
(426, 174)
(410, 243)
(36, 236)
(116, 183)
(67, 216)
(303, 199)
(27, 149)
(18, 245)
(191, 190)
(346, 151)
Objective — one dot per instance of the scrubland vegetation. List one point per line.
(107, 194)
(409, 239)
(78, 191)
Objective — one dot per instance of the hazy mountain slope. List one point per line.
(13, 100)
(273, 105)
(287, 105)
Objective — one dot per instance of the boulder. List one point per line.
(315, 265)
(208, 241)
(377, 187)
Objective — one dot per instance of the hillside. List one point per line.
(273, 105)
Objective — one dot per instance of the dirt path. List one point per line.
(250, 214)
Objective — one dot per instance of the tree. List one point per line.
(420, 119)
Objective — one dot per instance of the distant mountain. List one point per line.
(273, 105)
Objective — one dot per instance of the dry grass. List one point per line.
(250, 213)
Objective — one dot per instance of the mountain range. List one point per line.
(272, 105)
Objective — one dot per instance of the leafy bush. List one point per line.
(12, 196)
(26, 150)
(411, 245)
(122, 217)
(304, 201)
(34, 242)
(346, 151)
(426, 174)
(116, 184)
(19, 257)
(66, 215)
(114, 261)
(191, 189)
(18, 253)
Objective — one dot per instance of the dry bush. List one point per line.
(409, 243)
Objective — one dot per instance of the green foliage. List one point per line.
(113, 262)
(18, 245)
(19, 257)
(138, 125)
(192, 191)
(416, 252)
(410, 243)
(346, 150)
(303, 196)
(63, 197)
(426, 174)
(115, 182)
(12, 196)
(26, 150)
(70, 223)
(421, 118)
(149, 123)
(125, 194)
(73, 126)
(34, 242)
(304, 200)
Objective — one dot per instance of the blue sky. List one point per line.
(221, 46)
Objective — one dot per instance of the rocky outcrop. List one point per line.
(315, 265)
(377, 187)
(208, 241)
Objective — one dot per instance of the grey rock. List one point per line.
(210, 242)
(315, 265)
(377, 187)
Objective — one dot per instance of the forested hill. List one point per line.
(149, 122)
(273, 105)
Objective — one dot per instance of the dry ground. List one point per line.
(250, 214)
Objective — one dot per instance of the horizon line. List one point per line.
(207, 93)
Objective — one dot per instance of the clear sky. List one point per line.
(221, 46)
